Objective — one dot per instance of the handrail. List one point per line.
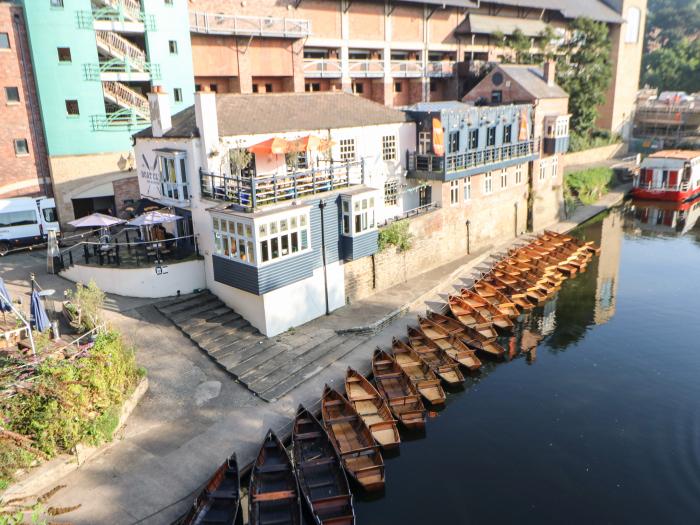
(127, 96)
(131, 7)
(323, 67)
(114, 42)
(366, 67)
(222, 24)
(440, 68)
(425, 208)
(406, 68)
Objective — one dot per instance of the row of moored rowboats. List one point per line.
(355, 427)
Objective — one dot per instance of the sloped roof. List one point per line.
(531, 78)
(594, 9)
(486, 25)
(279, 112)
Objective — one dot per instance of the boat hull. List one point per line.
(664, 195)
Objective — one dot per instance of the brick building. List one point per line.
(24, 167)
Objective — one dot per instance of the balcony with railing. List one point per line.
(264, 26)
(440, 69)
(322, 68)
(122, 120)
(366, 67)
(262, 190)
(123, 71)
(111, 19)
(455, 165)
(406, 68)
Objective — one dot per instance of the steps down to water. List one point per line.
(270, 367)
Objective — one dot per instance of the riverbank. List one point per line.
(194, 414)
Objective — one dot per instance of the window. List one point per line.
(391, 192)
(496, 97)
(50, 214)
(198, 87)
(72, 107)
(268, 88)
(214, 88)
(454, 192)
(313, 86)
(389, 147)
(278, 238)
(64, 54)
(424, 142)
(507, 134)
(491, 136)
(543, 169)
(255, 88)
(453, 142)
(467, 189)
(11, 94)
(56, 3)
(4, 41)
(172, 46)
(504, 178)
(358, 214)
(347, 150)
(173, 176)
(555, 166)
(21, 147)
(358, 88)
(634, 16)
(398, 87)
(519, 174)
(474, 139)
(17, 218)
(488, 184)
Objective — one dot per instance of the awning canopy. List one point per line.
(280, 146)
(154, 217)
(487, 25)
(96, 220)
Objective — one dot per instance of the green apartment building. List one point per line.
(94, 63)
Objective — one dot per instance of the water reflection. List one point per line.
(662, 218)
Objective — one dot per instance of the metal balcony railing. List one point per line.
(366, 67)
(132, 8)
(94, 71)
(120, 47)
(652, 186)
(454, 162)
(322, 68)
(125, 96)
(261, 190)
(124, 119)
(220, 24)
(87, 19)
(442, 68)
(406, 68)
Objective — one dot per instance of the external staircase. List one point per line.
(270, 367)
(129, 8)
(122, 95)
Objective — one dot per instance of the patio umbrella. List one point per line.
(5, 301)
(96, 220)
(41, 320)
(154, 217)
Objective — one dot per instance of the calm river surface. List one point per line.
(601, 424)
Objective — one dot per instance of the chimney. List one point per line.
(550, 72)
(159, 106)
(207, 123)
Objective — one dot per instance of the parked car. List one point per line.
(25, 221)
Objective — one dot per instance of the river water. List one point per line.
(599, 424)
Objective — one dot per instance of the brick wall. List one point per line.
(23, 174)
(125, 189)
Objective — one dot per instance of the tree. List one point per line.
(584, 72)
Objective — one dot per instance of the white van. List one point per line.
(25, 221)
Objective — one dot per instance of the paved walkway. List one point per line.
(194, 414)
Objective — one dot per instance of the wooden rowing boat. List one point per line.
(497, 298)
(420, 374)
(320, 472)
(220, 500)
(372, 408)
(477, 341)
(468, 316)
(452, 325)
(451, 344)
(532, 293)
(436, 358)
(398, 390)
(352, 439)
(485, 308)
(273, 496)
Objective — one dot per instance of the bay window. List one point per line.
(173, 174)
(358, 212)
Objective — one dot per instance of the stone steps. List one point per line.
(270, 367)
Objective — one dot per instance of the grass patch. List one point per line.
(396, 234)
(587, 185)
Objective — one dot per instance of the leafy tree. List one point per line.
(584, 72)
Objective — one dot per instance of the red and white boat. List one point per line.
(670, 175)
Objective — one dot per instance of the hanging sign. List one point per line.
(438, 138)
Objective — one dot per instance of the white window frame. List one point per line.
(518, 174)
(504, 178)
(235, 235)
(389, 147)
(543, 169)
(358, 213)
(454, 192)
(467, 192)
(348, 150)
(289, 234)
(555, 166)
(424, 142)
(391, 192)
(177, 188)
(488, 183)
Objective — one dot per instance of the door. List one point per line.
(424, 195)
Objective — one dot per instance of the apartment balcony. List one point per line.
(406, 68)
(264, 26)
(262, 190)
(122, 120)
(440, 69)
(457, 165)
(322, 68)
(118, 71)
(366, 68)
(108, 19)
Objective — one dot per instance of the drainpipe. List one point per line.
(468, 223)
(321, 206)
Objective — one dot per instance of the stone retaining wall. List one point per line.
(590, 156)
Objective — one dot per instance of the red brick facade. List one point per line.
(23, 174)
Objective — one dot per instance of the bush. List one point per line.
(588, 185)
(85, 306)
(595, 139)
(395, 234)
(69, 402)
